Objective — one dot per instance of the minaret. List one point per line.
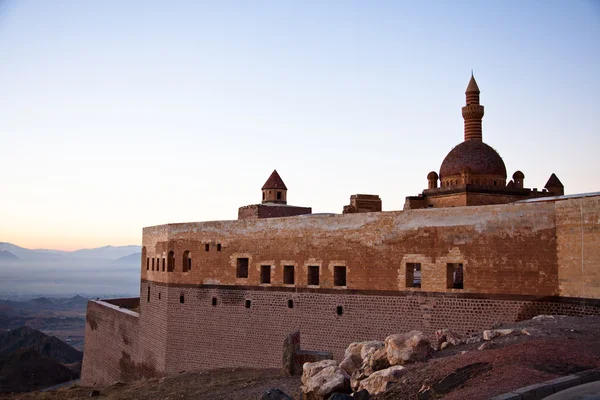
(473, 112)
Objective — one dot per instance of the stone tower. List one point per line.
(473, 112)
(274, 190)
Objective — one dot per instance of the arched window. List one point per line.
(187, 261)
(171, 262)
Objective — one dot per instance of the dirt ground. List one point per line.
(556, 346)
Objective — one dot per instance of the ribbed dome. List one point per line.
(478, 156)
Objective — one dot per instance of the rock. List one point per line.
(444, 345)
(291, 345)
(353, 349)
(540, 318)
(362, 395)
(94, 393)
(532, 332)
(328, 380)
(379, 381)
(311, 369)
(486, 345)
(446, 335)
(369, 347)
(274, 394)
(376, 360)
(340, 396)
(493, 333)
(351, 363)
(407, 347)
(473, 339)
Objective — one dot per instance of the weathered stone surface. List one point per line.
(274, 394)
(494, 333)
(444, 345)
(328, 380)
(291, 345)
(474, 339)
(370, 347)
(376, 360)
(379, 381)
(311, 369)
(447, 336)
(407, 347)
(351, 363)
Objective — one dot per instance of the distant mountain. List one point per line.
(7, 255)
(27, 369)
(132, 259)
(106, 252)
(47, 346)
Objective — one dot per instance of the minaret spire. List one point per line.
(473, 112)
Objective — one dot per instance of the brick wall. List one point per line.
(203, 336)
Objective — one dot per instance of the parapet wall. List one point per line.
(113, 345)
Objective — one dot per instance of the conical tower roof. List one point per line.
(472, 86)
(553, 182)
(274, 182)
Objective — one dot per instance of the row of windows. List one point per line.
(477, 181)
(454, 275)
(247, 303)
(289, 273)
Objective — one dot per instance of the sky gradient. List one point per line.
(119, 115)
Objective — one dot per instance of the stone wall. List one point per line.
(508, 249)
(578, 243)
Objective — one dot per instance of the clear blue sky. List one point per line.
(117, 115)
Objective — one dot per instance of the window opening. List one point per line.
(152, 264)
(148, 295)
(265, 274)
(288, 274)
(290, 303)
(171, 262)
(242, 268)
(187, 261)
(278, 195)
(413, 275)
(339, 276)
(147, 264)
(248, 303)
(218, 246)
(455, 276)
(214, 301)
(313, 275)
(181, 299)
(206, 247)
(339, 310)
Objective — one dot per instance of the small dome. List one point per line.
(432, 176)
(518, 175)
(476, 155)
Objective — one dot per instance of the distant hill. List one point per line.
(106, 252)
(132, 259)
(7, 255)
(47, 346)
(26, 369)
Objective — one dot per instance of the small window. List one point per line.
(159, 295)
(288, 274)
(413, 275)
(206, 247)
(181, 299)
(278, 195)
(263, 195)
(158, 264)
(214, 301)
(171, 262)
(242, 268)
(339, 310)
(339, 276)
(494, 183)
(248, 303)
(265, 274)
(290, 303)
(147, 264)
(187, 261)
(313, 275)
(153, 264)
(455, 276)
(148, 295)
(164, 261)
(218, 246)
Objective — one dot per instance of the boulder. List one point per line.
(407, 347)
(376, 360)
(328, 380)
(444, 345)
(473, 339)
(448, 336)
(493, 333)
(351, 363)
(361, 395)
(486, 345)
(369, 347)
(311, 369)
(379, 381)
(340, 396)
(274, 394)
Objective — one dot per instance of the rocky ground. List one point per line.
(537, 350)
